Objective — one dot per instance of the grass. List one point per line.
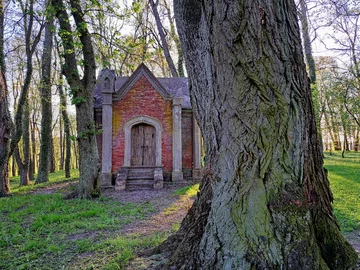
(54, 178)
(48, 232)
(344, 176)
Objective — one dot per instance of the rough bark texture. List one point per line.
(82, 95)
(5, 119)
(5, 134)
(271, 203)
(46, 107)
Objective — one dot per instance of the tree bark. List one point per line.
(6, 126)
(32, 168)
(270, 205)
(82, 96)
(46, 106)
(25, 164)
(66, 121)
(52, 163)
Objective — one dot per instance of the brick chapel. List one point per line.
(150, 135)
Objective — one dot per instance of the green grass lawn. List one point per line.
(48, 232)
(344, 176)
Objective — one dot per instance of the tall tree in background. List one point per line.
(82, 94)
(46, 107)
(164, 43)
(265, 201)
(303, 15)
(5, 119)
(23, 161)
(32, 38)
(65, 117)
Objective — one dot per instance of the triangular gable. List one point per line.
(142, 70)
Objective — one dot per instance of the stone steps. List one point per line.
(139, 178)
(139, 184)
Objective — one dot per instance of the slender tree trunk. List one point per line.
(52, 163)
(307, 41)
(67, 144)
(356, 140)
(164, 43)
(176, 39)
(46, 106)
(61, 148)
(33, 149)
(82, 94)
(265, 201)
(25, 165)
(13, 167)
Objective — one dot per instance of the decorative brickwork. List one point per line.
(142, 99)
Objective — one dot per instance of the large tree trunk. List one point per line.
(271, 202)
(5, 133)
(5, 119)
(46, 107)
(82, 94)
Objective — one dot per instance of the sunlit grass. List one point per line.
(190, 191)
(344, 177)
(54, 178)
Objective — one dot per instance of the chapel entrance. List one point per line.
(143, 145)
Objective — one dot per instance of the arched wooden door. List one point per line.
(143, 145)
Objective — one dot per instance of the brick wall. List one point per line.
(142, 99)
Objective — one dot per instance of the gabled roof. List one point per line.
(167, 87)
(142, 70)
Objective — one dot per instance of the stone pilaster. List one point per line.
(177, 174)
(106, 155)
(197, 151)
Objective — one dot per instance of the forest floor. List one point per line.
(170, 206)
(168, 213)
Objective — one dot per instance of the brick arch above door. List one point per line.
(127, 131)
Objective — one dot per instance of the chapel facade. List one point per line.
(150, 135)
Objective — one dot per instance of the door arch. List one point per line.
(158, 138)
